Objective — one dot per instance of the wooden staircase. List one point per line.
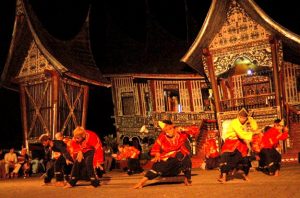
(291, 154)
(293, 144)
(208, 127)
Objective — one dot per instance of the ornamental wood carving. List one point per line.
(35, 63)
(238, 29)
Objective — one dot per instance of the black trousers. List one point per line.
(171, 167)
(87, 165)
(134, 166)
(55, 168)
(270, 159)
(232, 160)
(212, 162)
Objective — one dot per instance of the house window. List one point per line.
(127, 103)
(147, 103)
(206, 99)
(171, 97)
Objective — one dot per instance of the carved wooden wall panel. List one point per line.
(290, 83)
(224, 60)
(238, 29)
(70, 107)
(183, 95)
(126, 85)
(34, 63)
(240, 36)
(237, 86)
(145, 99)
(158, 96)
(38, 100)
(197, 95)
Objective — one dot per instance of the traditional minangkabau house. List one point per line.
(253, 62)
(155, 85)
(52, 76)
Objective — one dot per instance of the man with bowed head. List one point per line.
(87, 147)
(171, 153)
(270, 158)
(236, 148)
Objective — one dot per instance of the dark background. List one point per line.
(130, 18)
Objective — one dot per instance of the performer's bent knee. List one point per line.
(151, 174)
(94, 182)
(188, 173)
(224, 168)
(73, 181)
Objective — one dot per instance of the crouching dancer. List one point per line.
(270, 158)
(171, 153)
(88, 147)
(235, 150)
(132, 155)
(56, 166)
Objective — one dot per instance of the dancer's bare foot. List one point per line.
(246, 178)
(68, 186)
(60, 184)
(276, 174)
(187, 182)
(222, 180)
(233, 172)
(141, 183)
(47, 184)
(89, 187)
(138, 186)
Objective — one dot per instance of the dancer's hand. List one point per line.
(68, 162)
(114, 155)
(156, 158)
(79, 156)
(98, 165)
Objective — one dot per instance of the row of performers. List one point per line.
(171, 152)
(244, 142)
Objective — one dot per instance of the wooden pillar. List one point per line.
(189, 87)
(84, 105)
(275, 62)
(54, 102)
(55, 93)
(24, 115)
(211, 73)
(152, 92)
(141, 100)
(114, 96)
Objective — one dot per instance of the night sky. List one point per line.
(63, 19)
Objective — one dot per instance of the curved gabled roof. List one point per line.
(158, 54)
(215, 19)
(72, 58)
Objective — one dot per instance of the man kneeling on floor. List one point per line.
(171, 153)
(89, 156)
(56, 165)
(132, 155)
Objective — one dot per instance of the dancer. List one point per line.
(132, 155)
(236, 148)
(56, 165)
(270, 158)
(171, 154)
(88, 148)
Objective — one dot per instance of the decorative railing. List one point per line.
(183, 118)
(131, 125)
(208, 126)
(293, 113)
(249, 102)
